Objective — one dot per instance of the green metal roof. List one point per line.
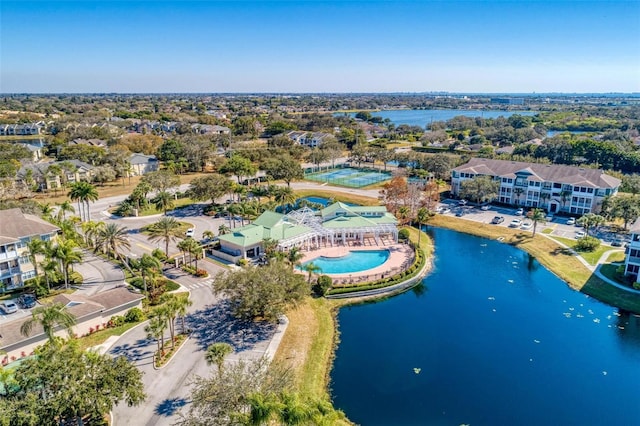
(268, 219)
(348, 222)
(246, 236)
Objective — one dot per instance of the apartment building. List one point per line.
(16, 230)
(555, 188)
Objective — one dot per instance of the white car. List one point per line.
(527, 225)
(444, 210)
(520, 212)
(9, 306)
(580, 234)
(190, 232)
(571, 221)
(549, 218)
(485, 208)
(515, 223)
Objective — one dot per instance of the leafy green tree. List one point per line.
(625, 207)
(216, 353)
(294, 256)
(536, 215)
(239, 166)
(480, 189)
(64, 208)
(285, 196)
(262, 292)
(317, 156)
(49, 317)
(65, 385)
(283, 168)
(631, 183)
(223, 399)
(166, 229)
(209, 187)
(161, 180)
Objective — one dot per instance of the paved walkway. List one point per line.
(98, 274)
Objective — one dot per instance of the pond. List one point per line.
(491, 338)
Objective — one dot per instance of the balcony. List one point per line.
(8, 255)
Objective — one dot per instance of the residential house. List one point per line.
(632, 260)
(556, 188)
(70, 171)
(336, 224)
(142, 164)
(91, 313)
(16, 230)
(36, 152)
(27, 129)
(309, 139)
(210, 129)
(91, 142)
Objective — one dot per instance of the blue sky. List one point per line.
(319, 46)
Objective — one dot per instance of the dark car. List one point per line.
(27, 301)
(497, 219)
(616, 243)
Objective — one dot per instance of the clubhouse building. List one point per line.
(336, 225)
(555, 188)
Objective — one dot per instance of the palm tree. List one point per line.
(155, 329)
(66, 254)
(36, 246)
(168, 313)
(216, 353)
(208, 234)
(518, 192)
(50, 271)
(311, 268)
(262, 408)
(163, 201)
(91, 231)
(223, 229)
(294, 256)
(112, 238)
(182, 302)
(46, 210)
(83, 193)
(183, 246)
(64, 208)
(49, 317)
(422, 216)
(294, 411)
(403, 214)
(536, 215)
(544, 197)
(147, 266)
(195, 250)
(285, 196)
(166, 229)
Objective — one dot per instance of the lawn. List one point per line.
(101, 336)
(177, 204)
(591, 257)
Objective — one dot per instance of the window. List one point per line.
(590, 190)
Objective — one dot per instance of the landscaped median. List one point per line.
(550, 254)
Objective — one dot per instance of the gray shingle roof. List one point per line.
(547, 172)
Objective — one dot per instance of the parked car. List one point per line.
(520, 212)
(459, 213)
(462, 202)
(497, 220)
(486, 207)
(9, 306)
(190, 232)
(549, 218)
(27, 301)
(515, 223)
(444, 210)
(571, 221)
(526, 225)
(580, 234)
(616, 243)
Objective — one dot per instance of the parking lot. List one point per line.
(558, 225)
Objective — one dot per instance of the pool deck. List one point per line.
(400, 257)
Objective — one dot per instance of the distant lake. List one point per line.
(493, 338)
(422, 117)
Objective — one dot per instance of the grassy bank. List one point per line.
(553, 256)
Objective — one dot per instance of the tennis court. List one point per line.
(352, 178)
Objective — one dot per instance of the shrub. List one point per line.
(116, 321)
(403, 234)
(201, 273)
(171, 286)
(159, 254)
(322, 285)
(242, 262)
(636, 285)
(134, 315)
(587, 243)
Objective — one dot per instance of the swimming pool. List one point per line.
(355, 261)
